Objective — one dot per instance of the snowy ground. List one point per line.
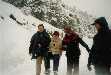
(14, 43)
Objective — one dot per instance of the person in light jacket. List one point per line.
(56, 49)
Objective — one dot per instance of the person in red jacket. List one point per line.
(71, 45)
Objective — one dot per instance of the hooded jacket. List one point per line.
(101, 49)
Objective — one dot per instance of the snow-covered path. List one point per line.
(14, 52)
(14, 43)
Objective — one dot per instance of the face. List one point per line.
(98, 27)
(40, 28)
(65, 31)
(55, 36)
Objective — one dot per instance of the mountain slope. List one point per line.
(15, 40)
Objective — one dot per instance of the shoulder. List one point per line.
(74, 34)
(34, 37)
(60, 40)
(51, 39)
(35, 34)
(46, 33)
(109, 34)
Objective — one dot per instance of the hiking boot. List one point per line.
(47, 71)
(55, 72)
(33, 57)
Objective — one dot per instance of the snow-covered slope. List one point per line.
(15, 40)
(14, 43)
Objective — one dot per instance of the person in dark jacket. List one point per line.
(71, 45)
(39, 45)
(100, 55)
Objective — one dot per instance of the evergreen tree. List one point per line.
(37, 8)
(17, 3)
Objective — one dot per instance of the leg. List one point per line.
(69, 65)
(38, 65)
(76, 65)
(108, 69)
(98, 70)
(102, 69)
(56, 62)
(47, 64)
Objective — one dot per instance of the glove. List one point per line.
(64, 47)
(89, 67)
(39, 45)
(30, 54)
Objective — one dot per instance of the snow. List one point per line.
(14, 43)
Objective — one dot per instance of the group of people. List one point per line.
(44, 47)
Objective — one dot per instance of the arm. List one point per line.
(50, 46)
(45, 42)
(48, 39)
(64, 46)
(89, 61)
(61, 49)
(83, 44)
(31, 44)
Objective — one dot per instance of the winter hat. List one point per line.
(56, 33)
(102, 22)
